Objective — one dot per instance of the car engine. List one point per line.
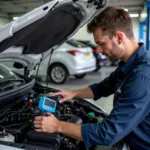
(17, 127)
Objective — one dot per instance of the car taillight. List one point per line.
(94, 50)
(74, 52)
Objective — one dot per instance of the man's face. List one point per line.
(108, 45)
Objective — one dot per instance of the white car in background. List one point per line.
(71, 58)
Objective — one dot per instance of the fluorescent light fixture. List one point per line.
(15, 18)
(134, 15)
(143, 15)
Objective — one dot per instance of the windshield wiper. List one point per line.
(9, 84)
(8, 87)
(11, 80)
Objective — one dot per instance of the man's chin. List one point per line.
(112, 59)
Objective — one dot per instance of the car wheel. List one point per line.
(80, 76)
(58, 73)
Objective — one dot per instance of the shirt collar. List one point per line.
(125, 67)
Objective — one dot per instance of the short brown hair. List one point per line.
(112, 19)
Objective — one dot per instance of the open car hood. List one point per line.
(45, 28)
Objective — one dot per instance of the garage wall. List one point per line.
(136, 28)
(83, 35)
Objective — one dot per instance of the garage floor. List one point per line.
(72, 83)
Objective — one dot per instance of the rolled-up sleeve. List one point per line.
(129, 112)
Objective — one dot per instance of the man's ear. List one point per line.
(118, 37)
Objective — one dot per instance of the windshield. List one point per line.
(5, 73)
(8, 79)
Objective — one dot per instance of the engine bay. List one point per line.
(17, 127)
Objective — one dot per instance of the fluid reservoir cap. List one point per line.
(91, 114)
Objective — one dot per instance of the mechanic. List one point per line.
(130, 83)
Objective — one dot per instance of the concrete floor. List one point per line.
(90, 78)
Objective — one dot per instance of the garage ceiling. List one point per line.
(13, 8)
(133, 6)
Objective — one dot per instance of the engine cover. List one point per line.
(47, 140)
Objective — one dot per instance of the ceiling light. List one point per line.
(134, 15)
(143, 15)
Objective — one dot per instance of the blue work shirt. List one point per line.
(130, 116)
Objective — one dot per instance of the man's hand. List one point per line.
(46, 124)
(67, 95)
(51, 125)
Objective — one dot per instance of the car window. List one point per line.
(76, 43)
(5, 73)
(91, 45)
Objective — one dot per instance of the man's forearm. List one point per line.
(70, 129)
(84, 93)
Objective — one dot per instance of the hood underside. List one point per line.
(45, 28)
(46, 32)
